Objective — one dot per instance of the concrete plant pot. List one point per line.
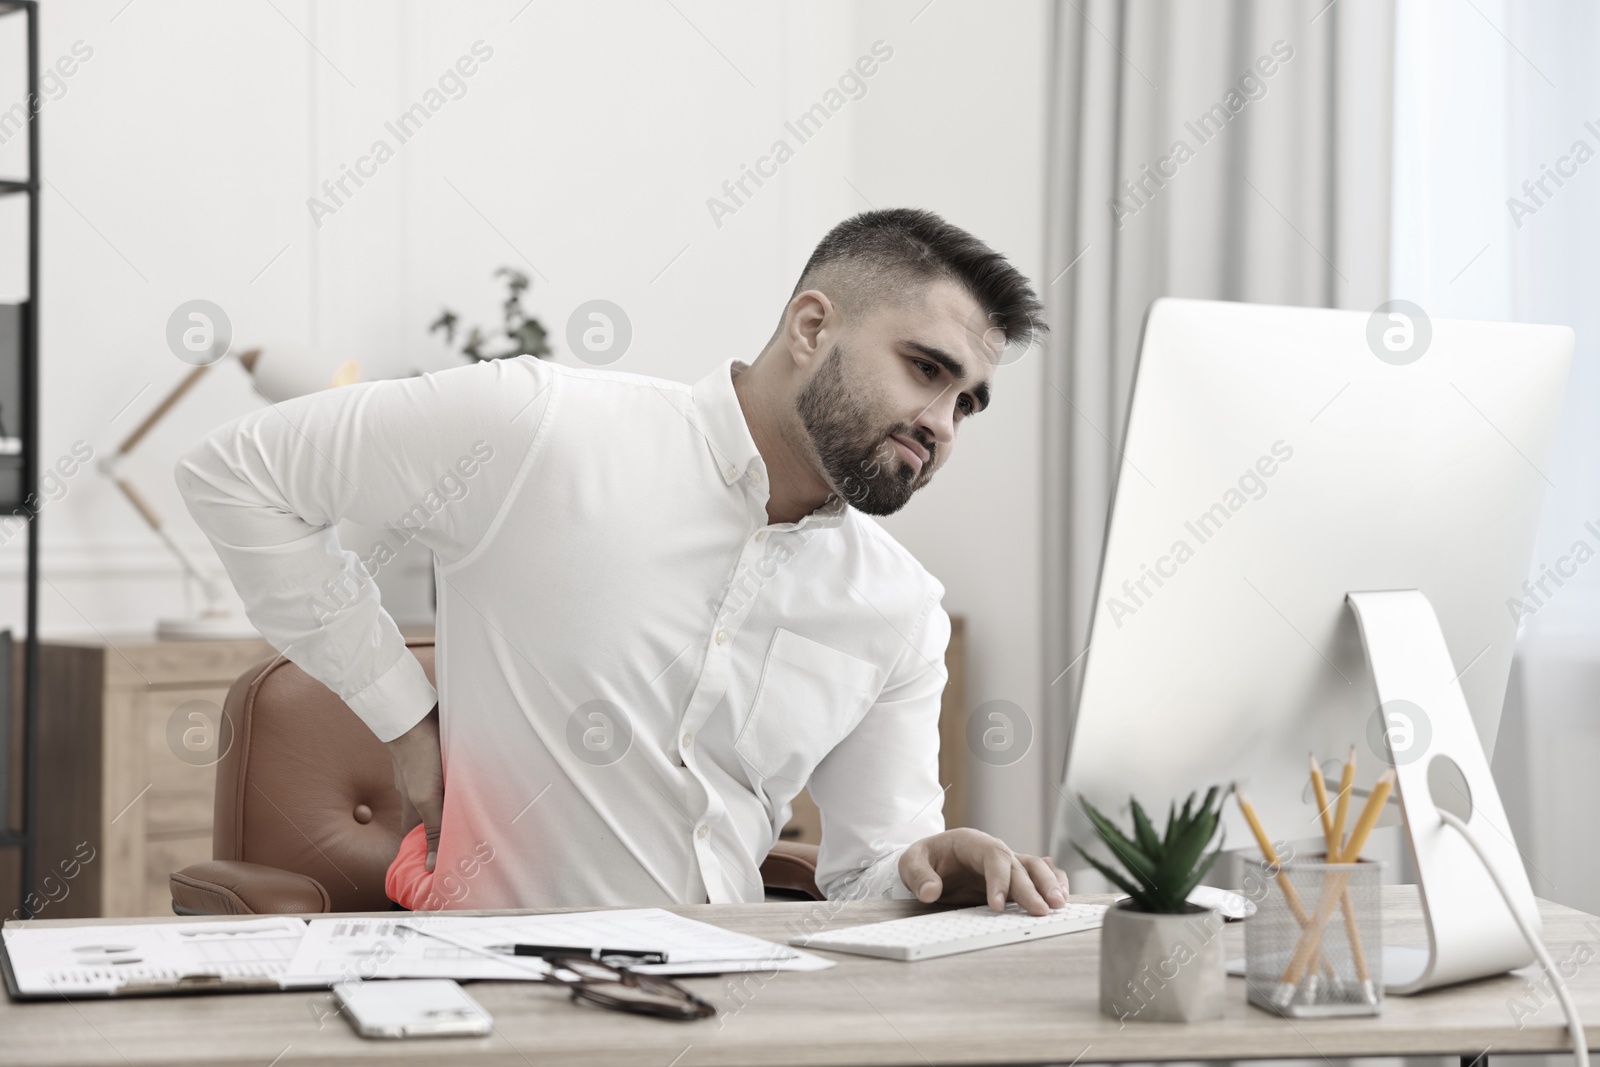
(1162, 968)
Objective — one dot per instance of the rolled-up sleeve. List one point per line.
(878, 790)
(431, 458)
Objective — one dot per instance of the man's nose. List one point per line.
(937, 421)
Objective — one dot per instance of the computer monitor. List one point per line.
(1276, 459)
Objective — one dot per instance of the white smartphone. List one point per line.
(412, 1007)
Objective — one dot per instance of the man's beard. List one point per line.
(858, 458)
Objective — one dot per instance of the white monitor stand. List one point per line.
(1471, 933)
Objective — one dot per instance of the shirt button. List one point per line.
(722, 637)
(733, 472)
(688, 739)
(701, 831)
(761, 535)
(755, 474)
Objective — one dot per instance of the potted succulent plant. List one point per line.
(1161, 958)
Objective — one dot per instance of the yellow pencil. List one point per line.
(1310, 946)
(1369, 817)
(1358, 837)
(1290, 896)
(1353, 933)
(1351, 930)
(1271, 855)
(1346, 781)
(1320, 786)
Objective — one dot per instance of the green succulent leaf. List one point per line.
(1129, 854)
(1161, 870)
(1139, 894)
(1199, 873)
(1180, 857)
(1143, 831)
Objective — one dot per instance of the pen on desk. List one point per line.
(635, 955)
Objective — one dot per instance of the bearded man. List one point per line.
(662, 610)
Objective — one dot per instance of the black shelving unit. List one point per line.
(21, 497)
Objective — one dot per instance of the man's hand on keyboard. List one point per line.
(968, 866)
(419, 774)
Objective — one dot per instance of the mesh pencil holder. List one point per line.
(1314, 946)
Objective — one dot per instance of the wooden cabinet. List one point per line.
(128, 744)
(128, 741)
(805, 822)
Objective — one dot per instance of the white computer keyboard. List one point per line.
(944, 933)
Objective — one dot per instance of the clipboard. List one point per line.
(188, 984)
(186, 970)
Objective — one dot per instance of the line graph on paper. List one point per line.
(98, 959)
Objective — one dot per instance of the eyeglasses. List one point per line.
(592, 978)
(621, 989)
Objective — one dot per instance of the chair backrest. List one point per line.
(306, 786)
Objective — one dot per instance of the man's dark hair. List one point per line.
(879, 257)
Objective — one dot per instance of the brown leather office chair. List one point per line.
(308, 818)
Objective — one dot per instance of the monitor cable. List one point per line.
(1580, 1043)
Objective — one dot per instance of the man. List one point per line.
(661, 613)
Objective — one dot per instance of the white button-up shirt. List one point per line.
(636, 672)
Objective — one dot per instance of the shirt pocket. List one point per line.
(809, 697)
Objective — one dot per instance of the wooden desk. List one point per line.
(1027, 1003)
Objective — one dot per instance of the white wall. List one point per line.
(182, 152)
(961, 131)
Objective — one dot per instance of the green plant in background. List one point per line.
(525, 334)
(1163, 869)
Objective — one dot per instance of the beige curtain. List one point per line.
(1223, 150)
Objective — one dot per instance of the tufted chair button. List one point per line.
(363, 814)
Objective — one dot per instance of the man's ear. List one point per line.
(810, 315)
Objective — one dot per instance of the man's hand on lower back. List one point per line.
(419, 773)
(968, 866)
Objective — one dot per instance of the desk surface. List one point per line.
(1026, 1003)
